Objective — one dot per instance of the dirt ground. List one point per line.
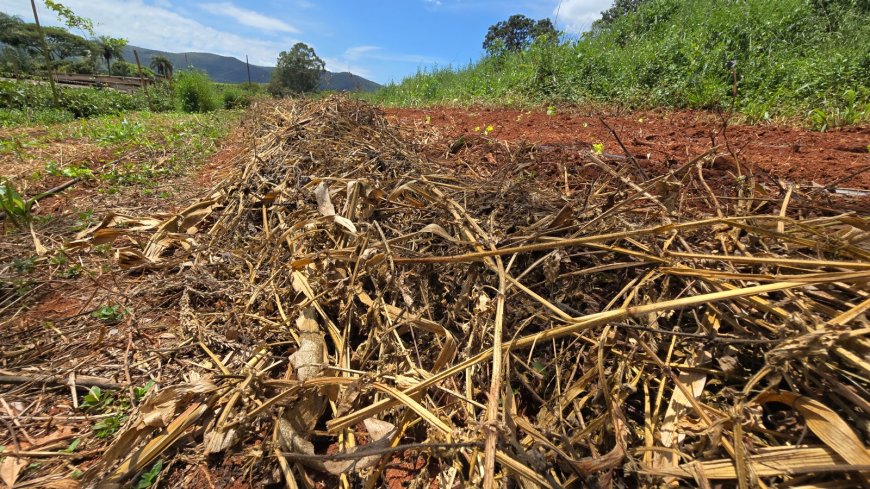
(659, 139)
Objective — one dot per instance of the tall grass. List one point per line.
(195, 92)
(793, 57)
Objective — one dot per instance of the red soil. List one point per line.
(662, 139)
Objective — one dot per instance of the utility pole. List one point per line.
(249, 70)
(47, 53)
(144, 83)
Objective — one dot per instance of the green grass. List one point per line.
(794, 59)
(24, 103)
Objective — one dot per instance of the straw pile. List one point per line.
(351, 308)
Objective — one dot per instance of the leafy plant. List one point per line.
(107, 427)
(72, 271)
(195, 92)
(17, 210)
(69, 171)
(598, 148)
(23, 265)
(97, 399)
(139, 392)
(149, 478)
(111, 314)
(72, 446)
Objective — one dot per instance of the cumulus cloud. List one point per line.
(577, 16)
(158, 27)
(247, 17)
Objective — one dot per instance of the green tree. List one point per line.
(517, 33)
(70, 18)
(297, 71)
(162, 66)
(620, 8)
(111, 48)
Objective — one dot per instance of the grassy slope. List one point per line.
(793, 59)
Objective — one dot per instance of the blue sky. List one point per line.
(382, 40)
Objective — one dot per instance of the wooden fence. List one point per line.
(123, 83)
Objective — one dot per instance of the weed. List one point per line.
(58, 259)
(97, 399)
(72, 446)
(598, 148)
(84, 220)
(149, 478)
(17, 210)
(72, 271)
(24, 265)
(195, 92)
(107, 427)
(111, 314)
(139, 392)
(69, 171)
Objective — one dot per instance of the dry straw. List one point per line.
(357, 305)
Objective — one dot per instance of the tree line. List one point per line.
(21, 52)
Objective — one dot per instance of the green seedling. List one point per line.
(139, 392)
(97, 399)
(107, 427)
(149, 478)
(111, 314)
(72, 446)
(25, 265)
(598, 148)
(13, 204)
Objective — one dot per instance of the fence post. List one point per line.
(144, 83)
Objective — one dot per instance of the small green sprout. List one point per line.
(598, 148)
(149, 478)
(551, 110)
(111, 314)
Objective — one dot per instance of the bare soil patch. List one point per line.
(661, 139)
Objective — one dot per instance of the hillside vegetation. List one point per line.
(804, 58)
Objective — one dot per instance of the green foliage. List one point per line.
(12, 204)
(72, 446)
(77, 102)
(69, 17)
(139, 392)
(149, 478)
(517, 33)
(195, 92)
(110, 48)
(162, 66)
(297, 71)
(123, 68)
(107, 427)
(793, 58)
(111, 314)
(97, 399)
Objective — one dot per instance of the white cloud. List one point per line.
(377, 53)
(577, 16)
(358, 52)
(156, 27)
(249, 18)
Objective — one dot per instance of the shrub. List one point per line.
(23, 100)
(195, 92)
(792, 59)
(236, 99)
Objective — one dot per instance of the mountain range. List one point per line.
(226, 69)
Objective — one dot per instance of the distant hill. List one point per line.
(226, 69)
